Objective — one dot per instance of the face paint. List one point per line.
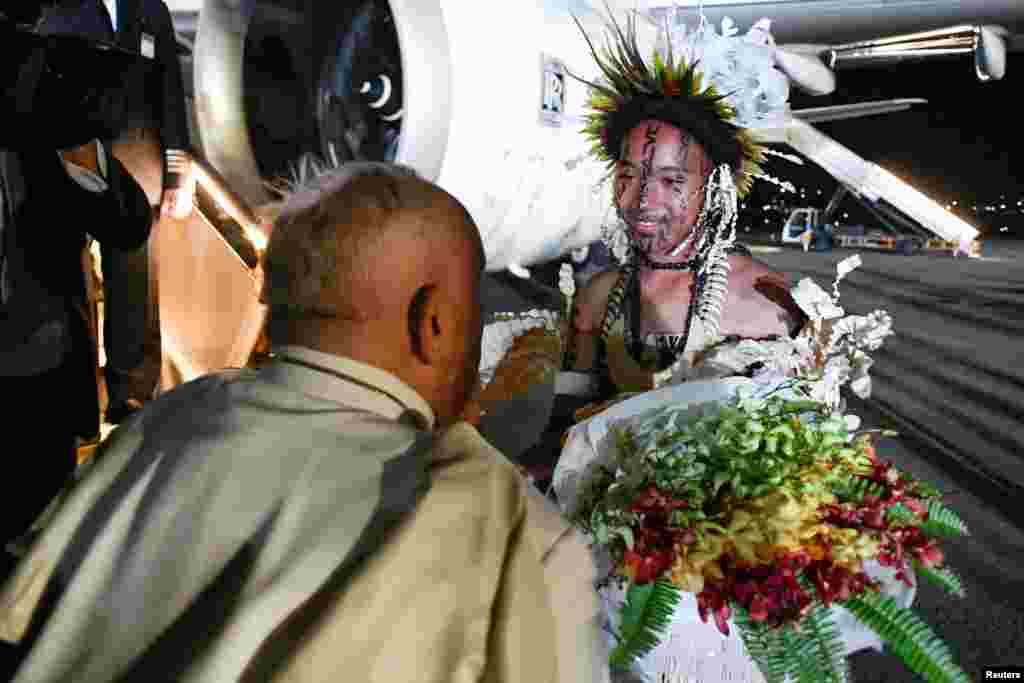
(658, 186)
(651, 139)
(646, 169)
(622, 177)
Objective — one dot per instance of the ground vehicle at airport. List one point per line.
(825, 234)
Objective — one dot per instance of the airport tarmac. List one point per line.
(951, 380)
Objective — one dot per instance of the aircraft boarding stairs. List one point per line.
(872, 184)
(206, 271)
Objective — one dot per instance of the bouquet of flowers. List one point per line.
(767, 508)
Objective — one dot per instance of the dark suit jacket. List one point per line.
(45, 218)
(135, 18)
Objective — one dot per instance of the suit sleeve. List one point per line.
(118, 217)
(174, 121)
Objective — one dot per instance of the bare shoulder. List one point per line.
(592, 299)
(748, 271)
(759, 303)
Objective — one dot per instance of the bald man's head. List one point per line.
(375, 263)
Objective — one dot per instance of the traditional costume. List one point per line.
(716, 88)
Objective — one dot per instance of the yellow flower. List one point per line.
(689, 582)
(740, 519)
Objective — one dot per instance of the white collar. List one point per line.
(84, 176)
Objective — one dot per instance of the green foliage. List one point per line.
(747, 449)
(710, 456)
(920, 488)
(644, 620)
(943, 577)
(910, 638)
(811, 654)
(942, 521)
(765, 647)
(802, 665)
(814, 654)
(853, 489)
(823, 646)
(900, 515)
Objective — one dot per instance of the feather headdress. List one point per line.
(716, 87)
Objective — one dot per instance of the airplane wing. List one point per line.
(854, 111)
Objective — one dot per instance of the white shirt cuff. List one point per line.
(87, 178)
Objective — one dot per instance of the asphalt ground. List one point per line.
(951, 381)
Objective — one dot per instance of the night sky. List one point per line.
(964, 145)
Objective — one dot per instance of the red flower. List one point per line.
(835, 582)
(654, 500)
(916, 506)
(759, 609)
(929, 554)
(721, 619)
(647, 567)
(875, 517)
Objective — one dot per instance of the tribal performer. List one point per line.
(674, 131)
(685, 326)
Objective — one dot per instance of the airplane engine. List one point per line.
(474, 96)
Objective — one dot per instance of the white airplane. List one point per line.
(475, 96)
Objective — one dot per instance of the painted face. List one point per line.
(659, 186)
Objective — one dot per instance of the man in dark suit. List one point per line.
(131, 326)
(47, 354)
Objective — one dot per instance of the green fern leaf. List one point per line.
(943, 577)
(910, 639)
(853, 489)
(764, 646)
(644, 620)
(801, 665)
(825, 645)
(900, 515)
(943, 522)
